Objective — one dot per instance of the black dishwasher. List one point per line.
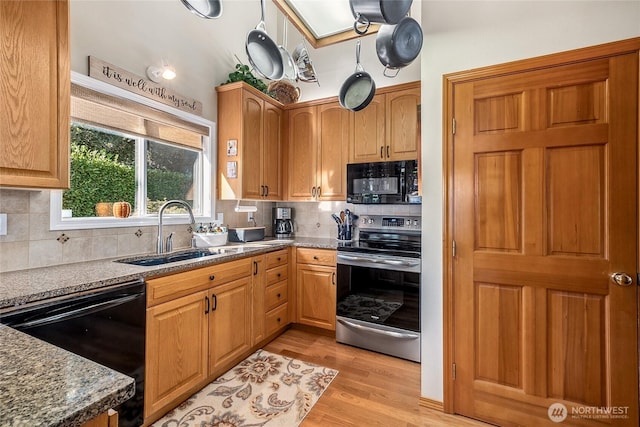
(106, 326)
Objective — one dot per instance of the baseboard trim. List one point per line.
(432, 404)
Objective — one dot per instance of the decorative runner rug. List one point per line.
(265, 389)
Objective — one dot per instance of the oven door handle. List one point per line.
(404, 336)
(354, 258)
(394, 262)
(378, 261)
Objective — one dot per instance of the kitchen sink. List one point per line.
(151, 260)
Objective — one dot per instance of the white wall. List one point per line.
(461, 35)
(133, 34)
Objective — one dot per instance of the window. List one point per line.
(141, 153)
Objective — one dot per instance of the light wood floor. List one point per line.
(371, 389)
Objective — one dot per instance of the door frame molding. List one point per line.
(449, 83)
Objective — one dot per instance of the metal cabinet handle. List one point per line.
(255, 268)
(215, 302)
(262, 191)
(622, 279)
(333, 278)
(212, 277)
(388, 151)
(207, 305)
(266, 194)
(382, 151)
(316, 257)
(318, 192)
(278, 295)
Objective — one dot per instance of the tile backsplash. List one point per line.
(29, 243)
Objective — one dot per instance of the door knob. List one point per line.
(622, 279)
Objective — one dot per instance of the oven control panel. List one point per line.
(390, 222)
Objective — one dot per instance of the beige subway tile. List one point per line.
(104, 247)
(14, 201)
(76, 249)
(44, 253)
(39, 201)
(17, 228)
(14, 256)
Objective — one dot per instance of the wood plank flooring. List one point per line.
(371, 389)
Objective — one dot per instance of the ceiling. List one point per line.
(322, 22)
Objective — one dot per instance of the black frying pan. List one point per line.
(264, 55)
(358, 90)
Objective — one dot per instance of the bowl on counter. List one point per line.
(207, 240)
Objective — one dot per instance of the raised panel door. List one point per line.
(303, 153)
(333, 153)
(272, 152)
(35, 101)
(176, 350)
(250, 169)
(368, 132)
(544, 211)
(316, 296)
(229, 323)
(402, 124)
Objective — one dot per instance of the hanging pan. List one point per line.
(398, 45)
(358, 90)
(263, 53)
(204, 8)
(378, 11)
(290, 67)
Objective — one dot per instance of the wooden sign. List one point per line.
(123, 79)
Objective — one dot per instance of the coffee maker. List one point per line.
(282, 223)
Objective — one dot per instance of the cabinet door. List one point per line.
(259, 280)
(317, 296)
(403, 120)
(272, 152)
(333, 152)
(229, 323)
(176, 350)
(368, 133)
(250, 170)
(35, 82)
(303, 152)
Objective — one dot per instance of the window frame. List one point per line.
(209, 148)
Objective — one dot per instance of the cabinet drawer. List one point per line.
(277, 319)
(277, 274)
(277, 258)
(173, 286)
(276, 295)
(316, 256)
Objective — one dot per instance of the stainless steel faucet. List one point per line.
(161, 246)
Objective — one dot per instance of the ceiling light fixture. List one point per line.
(156, 73)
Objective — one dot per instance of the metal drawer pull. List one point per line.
(215, 302)
(378, 331)
(278, 295)
(207, 305)
(212, 277)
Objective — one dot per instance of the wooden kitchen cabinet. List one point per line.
(316, 287)
(259, 284)
(35, 101)
(318, 148)
(229, 323)
(388, 129)
(176, 347)
(250, 167)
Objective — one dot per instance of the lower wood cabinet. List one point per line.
(177, 346)
(229, 323)
(200, 322)
(316, 287)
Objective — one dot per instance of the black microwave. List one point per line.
(383, 182)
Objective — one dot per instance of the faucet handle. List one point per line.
(169, 245)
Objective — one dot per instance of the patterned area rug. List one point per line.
(265, 389)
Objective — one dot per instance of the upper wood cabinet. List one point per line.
(318, 149)
(388, 128)
(250, 167)
(35, 101)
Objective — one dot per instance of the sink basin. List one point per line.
(151, 260)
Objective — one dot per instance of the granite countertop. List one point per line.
(36, 284)
(43, 385)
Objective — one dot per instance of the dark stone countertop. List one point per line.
(43, 385)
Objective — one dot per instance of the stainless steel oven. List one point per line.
(378, 287)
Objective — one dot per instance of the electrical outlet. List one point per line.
(220, 218)
(250, 217)
(3, 224)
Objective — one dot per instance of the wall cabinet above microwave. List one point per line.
(388, 129)
(34, 109)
